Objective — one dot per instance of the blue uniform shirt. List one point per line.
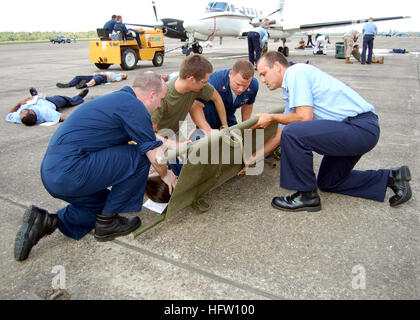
(121, 26)
(45, 111)
(305, 85)
(109, 25)
(370, 29)
(220, 81)
(263, 35)
(108, 121)
(115, 76)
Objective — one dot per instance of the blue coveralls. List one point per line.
(220, 81)
(345, 127)
(99, 79)
(122, 26)
(89, 153)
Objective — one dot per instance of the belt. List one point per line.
(363, 115)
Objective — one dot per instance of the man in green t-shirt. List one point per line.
(192, 83)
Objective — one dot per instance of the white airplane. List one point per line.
(236, 19)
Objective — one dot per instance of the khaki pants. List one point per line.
(348, 46)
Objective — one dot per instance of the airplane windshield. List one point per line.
(216, 7)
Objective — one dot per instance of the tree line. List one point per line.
(44, 36)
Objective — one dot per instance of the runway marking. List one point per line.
(228, 57)
(206, 274)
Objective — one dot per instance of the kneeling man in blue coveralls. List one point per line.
(90, 153)
(325, 116)
(238, 89)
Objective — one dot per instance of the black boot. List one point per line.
(62, 85)
(33, 92)
(81, 84)
(398, 181)
(83, 93)
(109, 227)
(37, 223)
(299, 201)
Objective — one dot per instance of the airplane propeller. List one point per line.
(154, 9)
(172, 28)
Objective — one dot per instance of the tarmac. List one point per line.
(242, 249)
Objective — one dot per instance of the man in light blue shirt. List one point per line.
(369, 32)
(36, 110)
(325, 116)
(256, 41)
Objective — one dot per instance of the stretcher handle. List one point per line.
(171, 154)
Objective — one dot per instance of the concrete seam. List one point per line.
(206, 274)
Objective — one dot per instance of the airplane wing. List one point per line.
(346, 22)
(337, 23)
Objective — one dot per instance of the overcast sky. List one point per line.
(85, 15)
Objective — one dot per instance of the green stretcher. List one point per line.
(197, 179)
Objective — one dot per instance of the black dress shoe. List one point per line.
(81, 84)
(299, 201)
(33, 92)
(398, 181)
(62, 85)
(109, 227)
(83, 93)
(37, 223)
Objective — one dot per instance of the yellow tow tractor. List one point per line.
(125, 51)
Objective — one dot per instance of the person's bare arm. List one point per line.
(272, 143)
(16, 107)
(220, 107)
(246, 111)
(166, 175)
(301, 113)
(63, 117)
(197, 115)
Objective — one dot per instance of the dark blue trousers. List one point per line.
(82, 180)
(65, 102)
(254, 49)
(342, 144)
(99, 79)
(367, 45)
(137, 36)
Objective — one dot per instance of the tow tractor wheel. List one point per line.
(197, 49)
(158, 59)
(129, 59)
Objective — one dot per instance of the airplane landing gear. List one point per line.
(284, 50)
(193, 48)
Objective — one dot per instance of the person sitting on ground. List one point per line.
(357, 55)
(120, 26)
(97, 78)
(35, 110)
(301, 44)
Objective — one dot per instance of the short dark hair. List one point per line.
(29, 119)
(113, 16)
(245, 68)
(196, 66)
(157, 190)
(273, 56)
